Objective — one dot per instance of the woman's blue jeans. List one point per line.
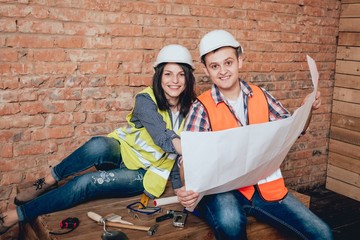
(112, 180)
(227, 214)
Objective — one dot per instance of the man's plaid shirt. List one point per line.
(198, 121)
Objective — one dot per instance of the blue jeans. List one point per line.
(227, 213)
(112, 180)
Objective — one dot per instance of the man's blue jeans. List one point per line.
(226, 214)
(112, 180)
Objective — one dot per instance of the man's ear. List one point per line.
(205, 69)
(240, 59)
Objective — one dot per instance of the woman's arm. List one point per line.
(145, 114)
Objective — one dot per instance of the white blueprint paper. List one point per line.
(225, 160)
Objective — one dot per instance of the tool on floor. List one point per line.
(144, 213)
(144, 201)
(97, 218)
(166, 200)
(116, 218)
(111, 235)
(70, 223)
(179, 217)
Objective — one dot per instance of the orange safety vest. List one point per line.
(221, 118)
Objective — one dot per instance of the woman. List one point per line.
(131, 160)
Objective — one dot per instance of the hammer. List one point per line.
(97, 218)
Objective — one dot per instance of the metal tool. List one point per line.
(179, 217)
(108, 235)
(116, 218)
(97, 218)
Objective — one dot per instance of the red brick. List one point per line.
(59, 119)
(34, 148)
(9, 108)
(53, 55)
(95, 118)
(54, 68)
(87, 55)
(121, 80)
(97, 42)
(41, 107)
(8, 55)
(69, 41)
(30, 41)
(26, 26)
(53, 132)
(9, 83)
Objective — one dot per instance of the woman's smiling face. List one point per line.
(173, 82)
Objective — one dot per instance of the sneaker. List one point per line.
(39, 187)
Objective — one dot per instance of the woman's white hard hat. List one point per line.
(174, 53)
(217, 39)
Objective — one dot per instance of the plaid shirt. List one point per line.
(198, 121)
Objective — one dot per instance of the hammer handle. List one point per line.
(120, 225)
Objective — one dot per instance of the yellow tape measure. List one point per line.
(144, 200)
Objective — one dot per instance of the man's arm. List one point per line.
(316, 105)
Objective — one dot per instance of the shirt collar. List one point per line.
(218, 96)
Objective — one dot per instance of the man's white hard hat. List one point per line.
(174, 53)
(217, 39)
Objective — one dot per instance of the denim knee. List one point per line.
(103, 146)
(225, 215)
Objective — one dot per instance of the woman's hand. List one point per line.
(186, 198)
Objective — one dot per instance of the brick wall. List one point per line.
(69, 69)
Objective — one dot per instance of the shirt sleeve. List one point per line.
(175, 177)
(276, 109)
(145, 114)
(197, 120)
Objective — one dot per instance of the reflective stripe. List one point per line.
(138, 150)
(161, 172)
(142, 144)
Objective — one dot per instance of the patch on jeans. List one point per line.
(139, 178)
(104, 177)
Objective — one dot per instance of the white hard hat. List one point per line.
(174, 53)
(217, 39)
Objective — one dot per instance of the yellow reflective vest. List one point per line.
(138, 150)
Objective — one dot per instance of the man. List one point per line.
(232, 103)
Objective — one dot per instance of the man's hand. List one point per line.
(186, 198)
(317, 103)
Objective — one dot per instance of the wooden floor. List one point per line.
(340, 212)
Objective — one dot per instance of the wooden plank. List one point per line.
(347, 122)
(345, 135)
(347, 95)
(347, 81)
(348, 67)
(349, 39)
(345, 108)
(344, 162)
(350, 10)
(349, 25)
(350, 1)
(344, 175)
(344, 149)
(348, 53)
(343, 188)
